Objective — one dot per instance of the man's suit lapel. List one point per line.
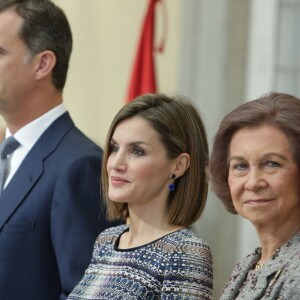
(32, 167)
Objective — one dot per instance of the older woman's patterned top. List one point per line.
(278, 279)
(176, 266)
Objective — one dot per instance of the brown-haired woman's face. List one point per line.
(263, 176)
(138, 166)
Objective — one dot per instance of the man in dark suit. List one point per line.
(50, 212)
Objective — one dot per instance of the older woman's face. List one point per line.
(263, 177)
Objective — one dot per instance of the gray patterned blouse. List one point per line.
(278, 279)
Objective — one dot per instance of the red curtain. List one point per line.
(143, 79)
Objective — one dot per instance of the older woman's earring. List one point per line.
(172, 183)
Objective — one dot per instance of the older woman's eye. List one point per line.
(272, 164)
(240, 166)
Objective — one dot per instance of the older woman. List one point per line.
(154, 173)
(255, 171)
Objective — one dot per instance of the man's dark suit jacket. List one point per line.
(50, 216)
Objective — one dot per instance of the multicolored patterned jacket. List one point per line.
(176, 266)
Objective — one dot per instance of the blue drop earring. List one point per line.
(172, 183)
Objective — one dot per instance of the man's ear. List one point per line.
(45, 62)
(182, 164)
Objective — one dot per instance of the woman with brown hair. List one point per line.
(255, 170)
(153, 173)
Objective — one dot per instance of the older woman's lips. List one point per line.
(118, 181)
(258, 201)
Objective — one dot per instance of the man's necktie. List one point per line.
(9, 145)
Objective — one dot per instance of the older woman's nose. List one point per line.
(255, 180)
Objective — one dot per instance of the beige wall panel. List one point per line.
(106, 34)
